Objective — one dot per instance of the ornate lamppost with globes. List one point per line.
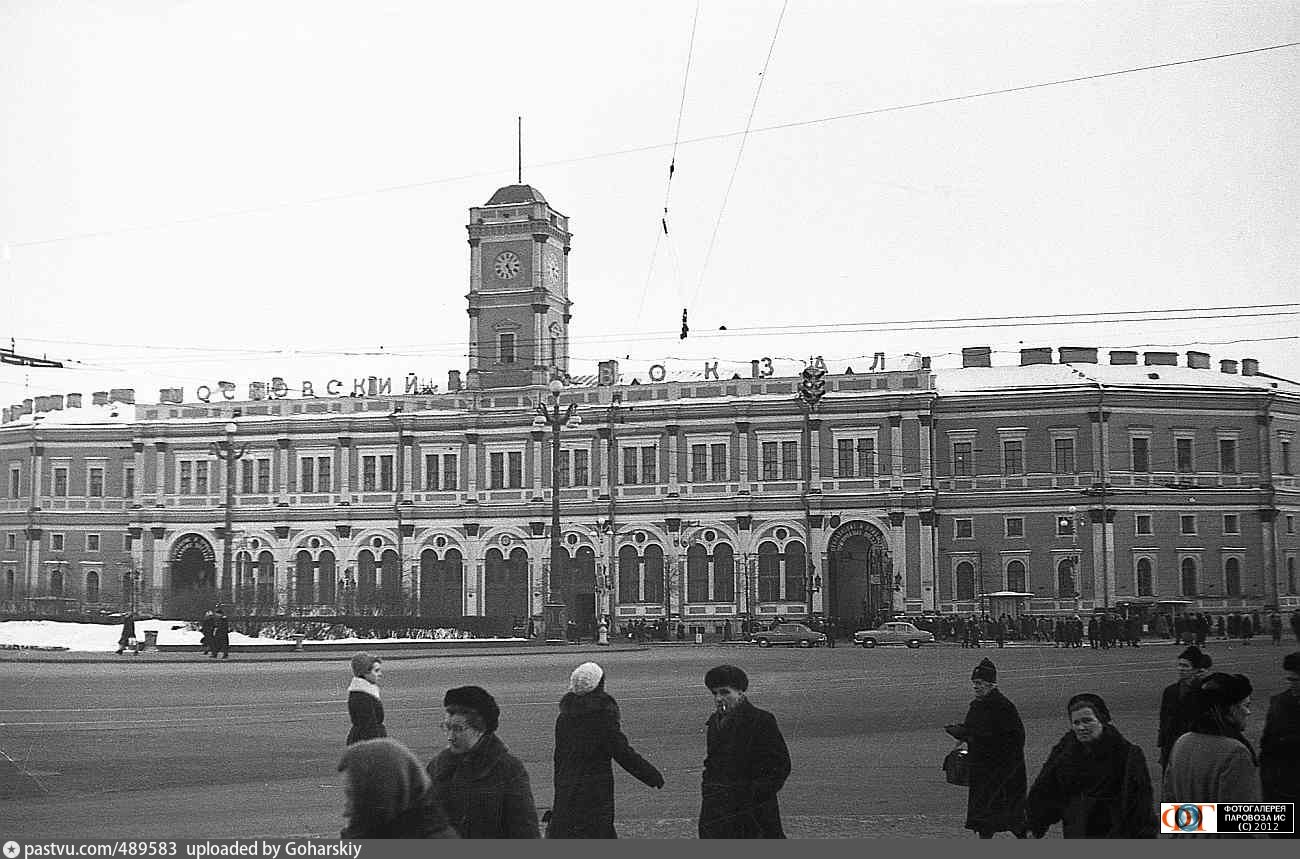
(225, 451)
(553, 609)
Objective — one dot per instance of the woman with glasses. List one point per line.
(482, 787)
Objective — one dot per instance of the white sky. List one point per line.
(133, 129)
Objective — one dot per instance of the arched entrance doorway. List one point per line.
(859, 575)
(193, 564)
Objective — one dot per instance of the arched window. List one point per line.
(1016, 576)
(92, 587)
(303, 571)
(629, 575)
(1189, 577)
(965, 581)
(1066, 587)
(366, 577)
(328, 578)
(796, 572)
(243, 594)
(654, 574)
(392, 580)
(265, 581)
(724, 573)
(56, 583)
(441, 584)
(697, 573)
(1144, 582)
(1232, 577)
(769, 573)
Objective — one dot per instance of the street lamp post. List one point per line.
(553, 610)
(225, 451)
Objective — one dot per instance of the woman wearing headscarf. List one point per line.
(364, 707)
(1213, 761)
(588, 737)
(995, 738)
(1095, 782)
(482, 787)
(388, 794)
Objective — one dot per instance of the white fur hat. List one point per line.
(585, 678)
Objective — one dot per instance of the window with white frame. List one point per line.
(1063, 454)
(1284, 454)
(255, 476)
(855, 455)
(962, 452)
(1013, 456)
(1185, 453)
(315, 472)
(128, 481)
(639, 458)
(575, 467)
(440, 471)
(1015, 526)
(709, 459)
(56, 542)
(92, 542)
(1290, 524)
(1187, 523)
(95, 481)
(1065, 526)
(779, 456)
(963, 529)
(11, 541)
(1142, 524)
(1140, 452)
(15, 481)
(377, 472)
(60, 484)
(192, 476)
(505, 468)
(1231, 523)
(1228, 454)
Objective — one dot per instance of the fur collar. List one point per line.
(473, 765)
(592, 702)
(361, 684)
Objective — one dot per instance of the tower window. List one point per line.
(506, 348)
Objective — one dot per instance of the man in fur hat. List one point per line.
(746, 764)
(995, 738)
(1176, 701)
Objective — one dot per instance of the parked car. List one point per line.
(894, 632)
(789, 633)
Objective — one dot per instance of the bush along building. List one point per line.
(1070, 482)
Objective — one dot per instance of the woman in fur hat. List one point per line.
(588, 737)
(995, 737)
(388, 794)
(1213, 761)
(483, 788)
(364, 707)
(1095, 782)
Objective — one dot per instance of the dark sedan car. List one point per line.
(789, 633)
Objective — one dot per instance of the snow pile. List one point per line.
(100, 637)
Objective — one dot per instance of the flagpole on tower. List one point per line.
(519, 136)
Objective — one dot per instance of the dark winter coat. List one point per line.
(1177, 710)
(1100, 789)
(388, 794)
(587, 738)
(128, 632)
(995, 738)
(366, 711)
(485, 791)
(422, 820)
(746, 765)
(1279, 749)
(221, 634)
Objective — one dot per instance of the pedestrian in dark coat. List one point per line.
(220, 634)
(1095, 782)
(481, 786)
(588, 737)
(1279, 747)
(1176, 702)
(388, 794)
(206, 625)
(127, 638)
(364, 706)
(746, 763)
(995, 738)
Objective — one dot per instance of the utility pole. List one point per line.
(553, 610)
(812, 387)
(225, 451)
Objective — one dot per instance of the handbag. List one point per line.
(956, 765)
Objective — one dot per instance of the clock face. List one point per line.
(552, 269)
(507, 265)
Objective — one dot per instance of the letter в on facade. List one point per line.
(307, 391)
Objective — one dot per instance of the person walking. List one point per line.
(483, 788)
(995, 738)
(1213, 761)
(588, 737)
(365, 708)
(220, 634)
(1095, 782)
(745, 765)
(127, 638)
(1176, 702)
(1279, 747)
(388, 794)
(1275, 627)
(206, 625)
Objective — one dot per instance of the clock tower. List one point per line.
(518, 290)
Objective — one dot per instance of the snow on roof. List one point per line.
(967, 380)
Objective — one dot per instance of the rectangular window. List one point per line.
(1228, 455)
(1231, 523)
(1015, 526)
(629, 466)
(1065, 526)
(1285, 457)
(496, 470)
(61, 482)
(264, 477)
(201, 477)
(506, 348)
(1141, 452)
(648, 465)
(581, 467)
(246, 477)
(186, 485)
(1142, 524)
(866, 457)
(963, 529)
(16, 480)
(1063, 450)
(11, 541)
(563, 468)
(772, 464)
(1187, 523)
(718, 463)
(306, 474)
(1290, 524)
(128, 482)
(515, 460)
(431, 473)
(790, 460)
(1183, 455)
(843, 457)
(449, 471)
(699, 463)
(1013, 457)
(961, 454)
(56, 542)
(324, 477)
(386, 473)
(95, 483)
(92, 542)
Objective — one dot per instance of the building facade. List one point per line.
(1063, 484)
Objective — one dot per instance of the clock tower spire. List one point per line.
(518, 290)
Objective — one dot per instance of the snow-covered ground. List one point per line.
(97, 637)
